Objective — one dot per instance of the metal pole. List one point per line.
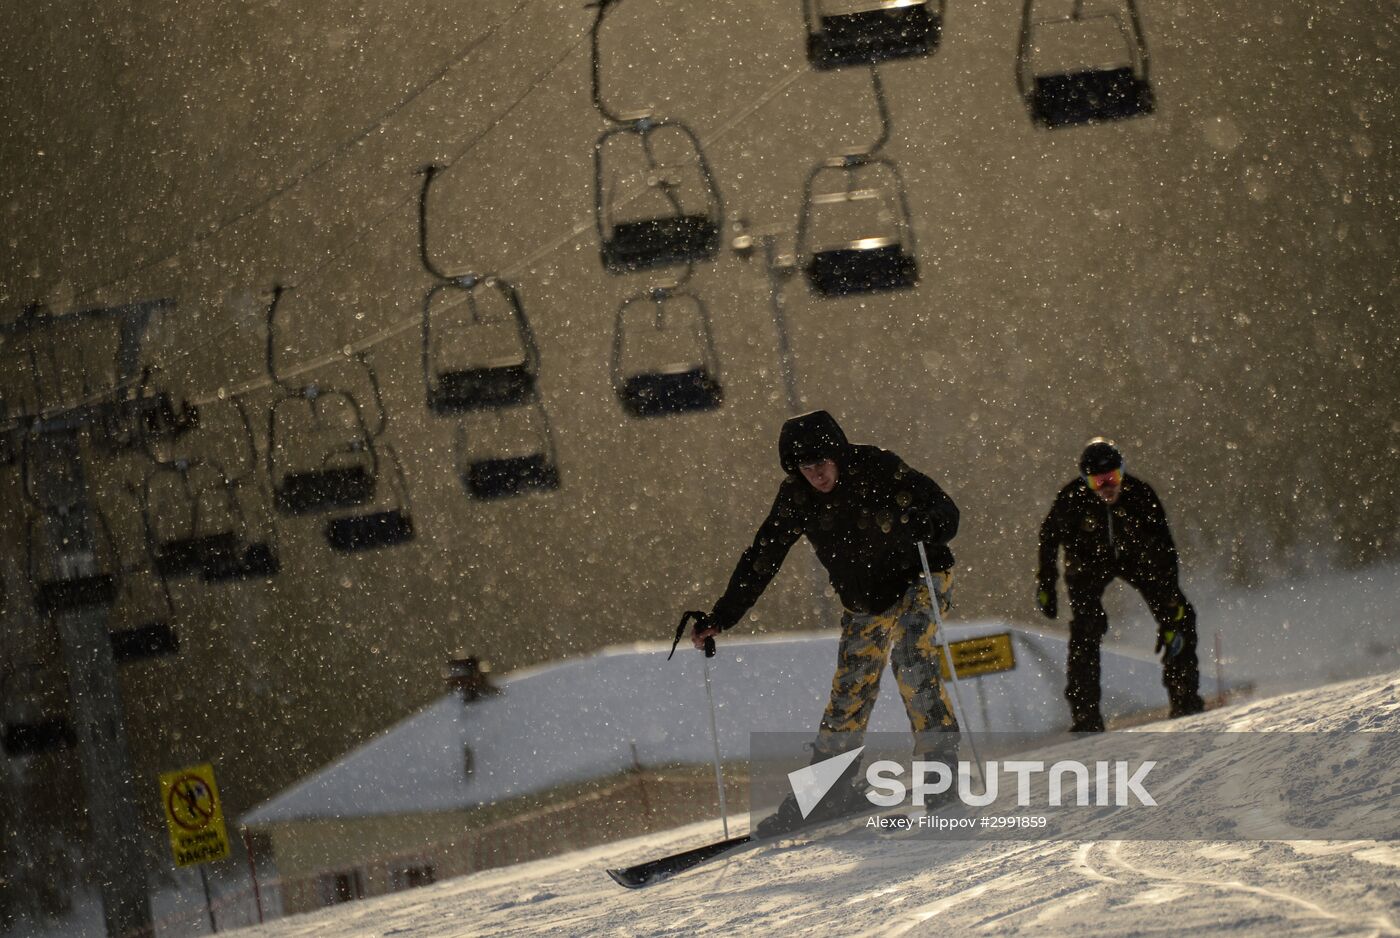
(714, 740)
(253, 869)
(776, 275)
(208, 902)
(952, 665)
(1219, 674)
(116, 836)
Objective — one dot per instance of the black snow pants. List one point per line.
(1089, 624)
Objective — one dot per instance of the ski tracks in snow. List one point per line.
(1117, 887)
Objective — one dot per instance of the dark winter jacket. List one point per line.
(1131, 535)
(864, 532)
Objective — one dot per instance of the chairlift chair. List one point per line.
(135, 419)
(663, 357)
(196, 523)
(256, 556)
(82, 577)
(478, 348)
(320, 454)
(28, 726)
(343, 469)
(192, 518)
(382, 527)
(865, 32)
(1084, 67)
(85, 564)
(36, 737)
(154, 634)
(663, 207)
(856, 238)
(505, 452)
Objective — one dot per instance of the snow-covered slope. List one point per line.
(916, 886)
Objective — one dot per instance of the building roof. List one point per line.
(590, 717)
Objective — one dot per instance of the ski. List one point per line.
(655, 871)
(661, 869)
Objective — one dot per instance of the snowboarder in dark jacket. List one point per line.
(1112, 525)
(864, 511)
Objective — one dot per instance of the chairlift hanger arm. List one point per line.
(601, 7)
(247, 419)
(428, 173)
(882, 106)
(277, 291)
(1140, 38)
(1024, 80)
(397, 470)
(378, 394)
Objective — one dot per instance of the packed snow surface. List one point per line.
(907, 885)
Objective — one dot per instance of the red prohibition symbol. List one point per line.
(191, 802)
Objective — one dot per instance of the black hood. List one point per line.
(810, 438)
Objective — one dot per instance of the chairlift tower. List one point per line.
(55, 478)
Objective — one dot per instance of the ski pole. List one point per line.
(952, 665)
(714, 740)
(699, 618)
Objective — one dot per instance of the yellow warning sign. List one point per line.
(986, 654)
(194, 815)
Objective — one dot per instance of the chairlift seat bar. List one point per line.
(871, 36)
(859, 244)
(365, 532)
(99, 589)
(187, 555)
(854, 195)
(257, 560)
(654, 242)
(32, 739)
(844, 271)
(479, 388)
(152, 640)
(659, 393)
(1082, 97)
(511, 475)
(306, 492)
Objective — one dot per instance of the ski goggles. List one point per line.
(1098, 480)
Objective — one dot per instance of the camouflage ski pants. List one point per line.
(906, 636)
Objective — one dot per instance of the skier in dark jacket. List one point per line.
(864, 512)
(1111, 525)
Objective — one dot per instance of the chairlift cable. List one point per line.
(580, 227)
(512, 267)
(342, 250)
(287, 186)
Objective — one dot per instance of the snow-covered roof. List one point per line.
(580, 719)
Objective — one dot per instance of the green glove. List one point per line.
(1047, 601)
(1170, 638)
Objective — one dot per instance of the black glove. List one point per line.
(701, 623)
(922, 527)
(1046, 599)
